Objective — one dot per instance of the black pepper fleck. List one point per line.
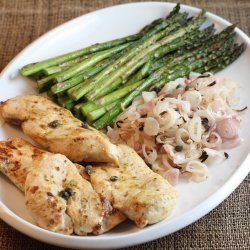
(141, 127)
(54, 124)
(118, 125)
(204, 122)
(156, 89)
(178, 148)
(203, 156)
(114, 178)
(211, 84)
(66, 193)
(50, 194)
(226, 155)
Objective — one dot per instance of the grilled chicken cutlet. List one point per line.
(142, 195)
(132, 188)
(59, 199)
(57, 130)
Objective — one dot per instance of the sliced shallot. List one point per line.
(228, 128)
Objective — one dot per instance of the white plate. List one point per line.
(195, 200)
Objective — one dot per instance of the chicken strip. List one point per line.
(142, 195)
(58, 197)
(57, 130)
(17, 159)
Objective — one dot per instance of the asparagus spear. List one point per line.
(62, 66)
(160, 79)
(52, 70)
(185, 52)
(88, 107)
(223, 61)
(205, 56)
(190, 40)
(76, 69)
(150, 26)
(93, 95)
(65, 102)
(79, 55)
(110, 98)
(45, 83)
(63, 86)
(77, 111)
(102, 86)
(97, 113)
(146, 41)
(143, 72)
(197, 53)
(195, 38)
(35, 67)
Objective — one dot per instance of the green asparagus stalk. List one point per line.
(143, 72)
(76, 69)
(148, 40)
(73, 57)
(223, 61)
(115, 84)
(65, 102)
(63, 86)
(196, 38)
(153, 24)
(52, 70)
(102, 87)
(158, 79)
(196, 54)
(37, 76)
(65, 65)
(110, 98)
(191, 40)
(44, 84)
(185, 53)
(77, 111)
(150, 26)
(97, 113)
(88, 107)
(35, 67)
(77, 92)
(203, 58)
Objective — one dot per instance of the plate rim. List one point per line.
(109, 242)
